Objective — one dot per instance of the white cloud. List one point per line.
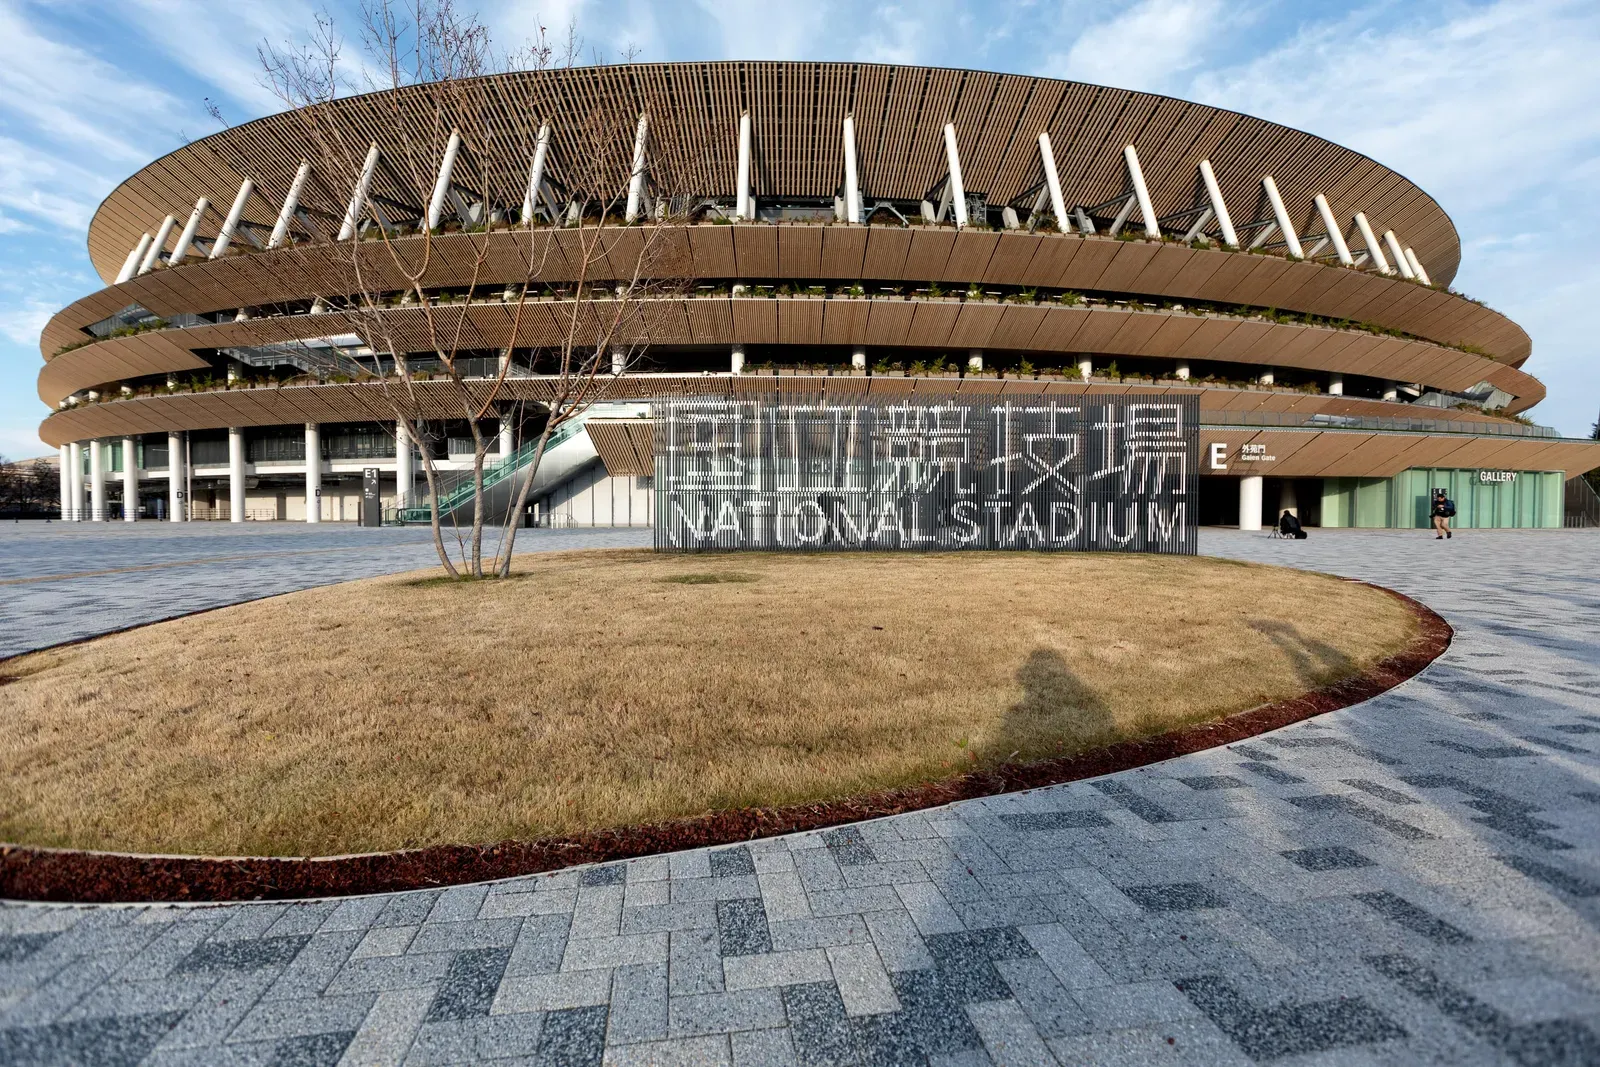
(1148, 46)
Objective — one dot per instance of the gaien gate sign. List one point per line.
(1111, 474)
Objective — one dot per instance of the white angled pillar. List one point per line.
(403, 465)
(736, 360)
(152, 255)
(97, 481)
(858, 358)
(742, 205)
(1374, 246)
(1281, 213)
(1182, 372)
(65, 472)
(177, 509)
(190, 228)
(1267, 377)
(541, 152)
(1086, 368)
(130, 479)
(313, 472)
(508, 438)
(358, 196)
(636, 178)
(852, 180)
(441, 184)
(235, 474)
(1392, 243)
(1416, 266)
(291, 204)
(958, 191)
(1141, 192)
(1250, 502)
(1218, 206)
(136, 257)
(1336, 385)
(230, 224)
(1391, 391)
(975, 360)
(1331, 224)
(1052, 181)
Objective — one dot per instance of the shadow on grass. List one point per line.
(1057, 713)
(1316, 663)
(708, 579)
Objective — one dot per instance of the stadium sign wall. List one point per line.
(1074, 473)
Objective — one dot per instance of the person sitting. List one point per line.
(1289, 526)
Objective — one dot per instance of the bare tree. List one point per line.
(513, 244)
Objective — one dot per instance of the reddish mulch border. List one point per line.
(101, 877)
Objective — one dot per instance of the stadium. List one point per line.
(832, 229)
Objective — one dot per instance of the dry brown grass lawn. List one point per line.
(603, 688)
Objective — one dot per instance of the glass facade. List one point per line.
(1484, 499)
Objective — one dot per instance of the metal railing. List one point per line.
(1320, 421)
(1582, 505)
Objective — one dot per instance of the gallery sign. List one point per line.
(1115, 474)
(1491, 477)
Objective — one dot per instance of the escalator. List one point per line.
(566, 453)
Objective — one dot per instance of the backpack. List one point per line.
(1449, 508)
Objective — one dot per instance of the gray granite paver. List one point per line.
(1412, 880)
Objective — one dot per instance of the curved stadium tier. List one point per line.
(833, 230)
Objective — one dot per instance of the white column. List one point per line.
(291, 203)
(177, 510)
(358, 196)
(1250, 502)
(858, 358)
(130, 479)
(65, 473)
(736, 360)
(958, 191)
(97, 481)
(742, 205)
(130, 264)
(1086, 368)
(1141, 192)
(441, 184)
(636, 179)
(1391, 391)
(1374, 246)
(134, 259)
(235, 474)
(1336, 385)
(219, 248)
(152, 255)
(313, 472)
(1331, 224)
(1288, 499)
(508, 440)
(76, 480)
(975, 360)
(541, 152)
(1393, 244)
(852, 183)
(404, 467)
(1416, 266)
(619, 359)
(1281, 213)
(1052, 181)
(1267, 377)
(1182, 371)
(190, 228)
(1214, 192)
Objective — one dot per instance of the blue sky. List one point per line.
(1492, 107)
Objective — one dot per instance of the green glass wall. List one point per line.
(1533, 499)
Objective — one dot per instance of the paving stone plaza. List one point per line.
(1413, 880)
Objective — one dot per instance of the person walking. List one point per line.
(1443, 510)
